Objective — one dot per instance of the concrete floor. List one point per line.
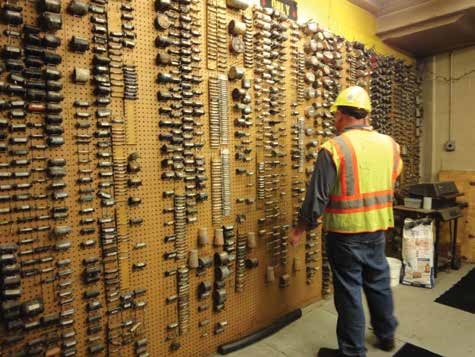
(441, 329)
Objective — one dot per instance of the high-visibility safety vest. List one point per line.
(367, 165)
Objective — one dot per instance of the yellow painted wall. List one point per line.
(348, 20)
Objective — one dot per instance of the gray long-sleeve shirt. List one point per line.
(318, 190)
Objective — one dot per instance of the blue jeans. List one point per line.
(359, 261)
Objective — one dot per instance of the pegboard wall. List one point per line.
(154, 155)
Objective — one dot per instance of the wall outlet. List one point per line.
(450, 145)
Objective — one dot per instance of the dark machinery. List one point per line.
(445, 208)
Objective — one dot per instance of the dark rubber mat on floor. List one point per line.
(461, 295)
(409, 350)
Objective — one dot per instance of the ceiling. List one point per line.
(441, 35)
(387, 6)
(423, 27)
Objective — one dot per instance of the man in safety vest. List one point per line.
(352, 187)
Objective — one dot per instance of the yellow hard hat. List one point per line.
(354, 96)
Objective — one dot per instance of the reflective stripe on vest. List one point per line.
(375, 198)
(351, 200)
(349, 170)
(395, 161)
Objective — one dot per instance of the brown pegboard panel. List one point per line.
(135, 129)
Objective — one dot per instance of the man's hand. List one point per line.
(296, 234)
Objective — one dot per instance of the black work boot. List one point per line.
(386, 344)
(329, 352)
